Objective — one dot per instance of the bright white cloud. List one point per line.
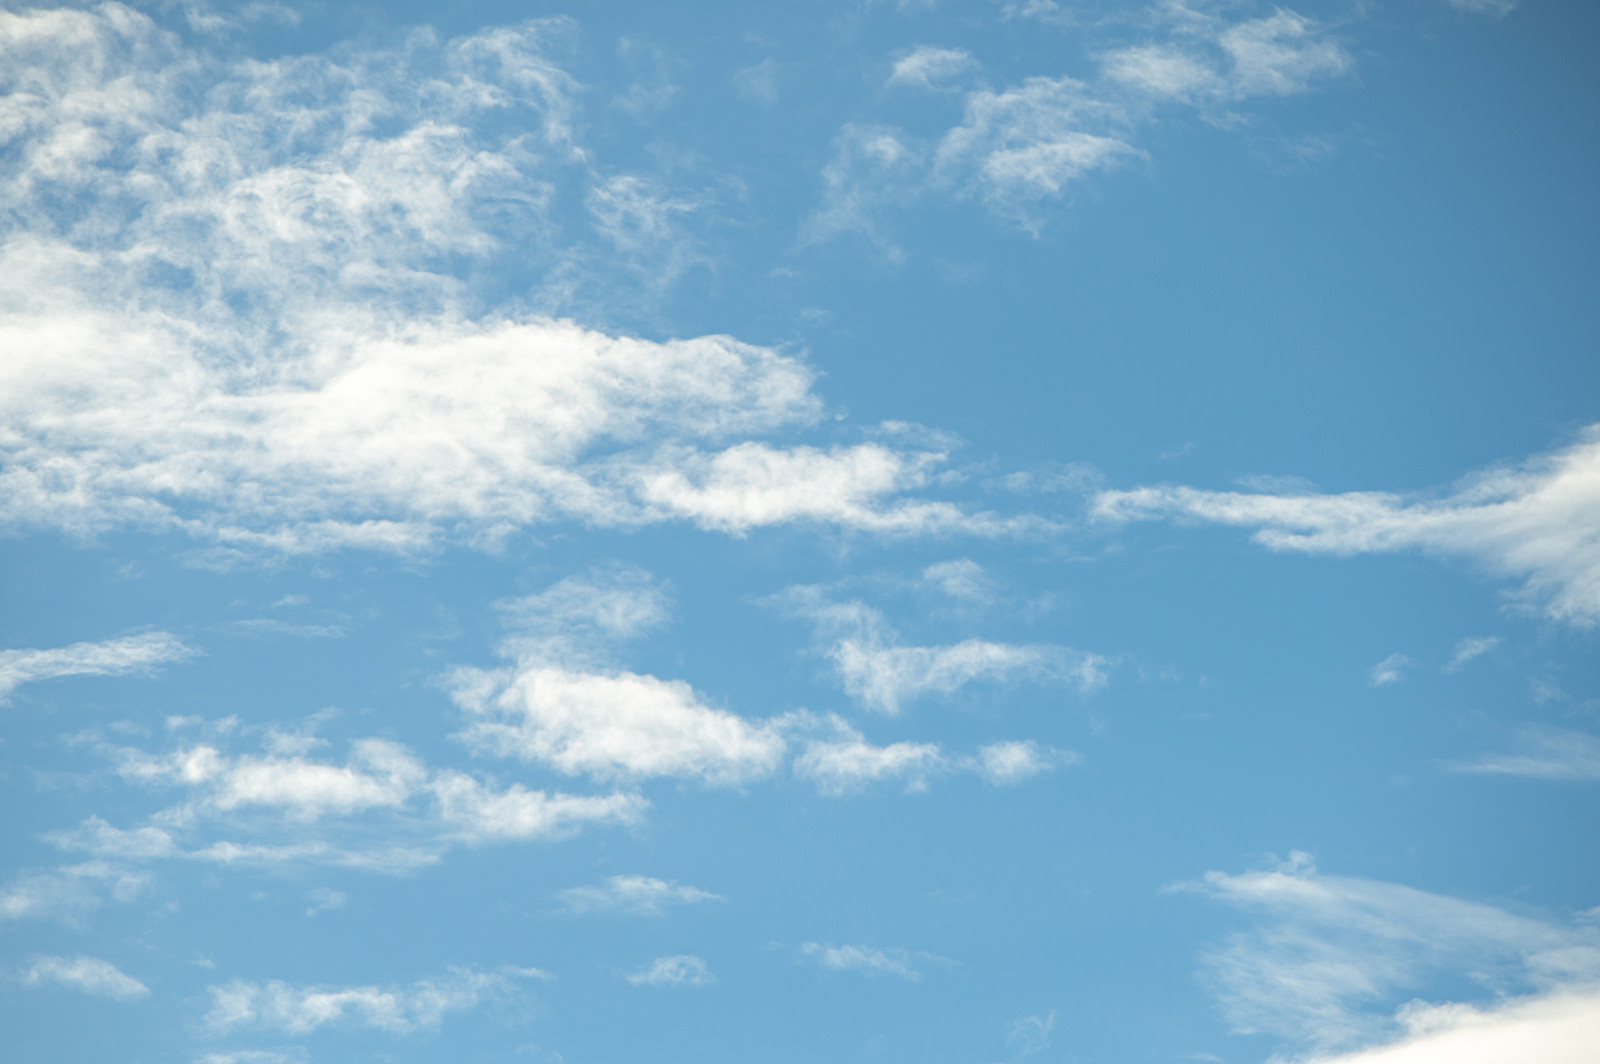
(680, 970)
(561, 705)
(1562, 1027)
(1538, 522)
(929, 68)
(1391, 670)
(619, 725)
(868, 960)
(1468, 649)
(1330, 951)
(298, 1010)
(1546, 753)
(87, 975)
(136, 655)
(633, 895)
(247, 327)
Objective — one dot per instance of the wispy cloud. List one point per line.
(1536, 522)
(929, 68)
(845, 762)
(87, 975)
(1390, 671)
(883, 674)
(131, 655)
(1468, 649)
(633, 895)
(1492, 8)
(1546, 753)
(869, 960)
(1019, 147)
(298, 1009)
(680, 970)
(1332, 956)
(1005, 764)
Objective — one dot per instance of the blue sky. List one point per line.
(938, 531)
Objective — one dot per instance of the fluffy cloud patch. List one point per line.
(381, 810)
(261, 313)
(87, 975)
(618, 725)
(1538, 522)
(135, 655)
(561, 705)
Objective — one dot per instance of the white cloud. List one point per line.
(680, 970)
(1538, 522)
(272, 334)
(299, 1010)
(1561, 1027)
(1029, 143)
(561, 705)
(846, 762)
(254, 1056)
(1030, 1035)
(1329, 952)
(1164, 71)
(618, 725)
(382, 810)
(930, 68)
(882, 674)
(899, 963)
(584, 616)
(1391, 670)
(136, 654)
(873, 170)
(1554, 754)
(1468, 649)
(961, 578)
(70, 893)
(1280, 54)
(87, 975)
(1007, 763)
(634, 895)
